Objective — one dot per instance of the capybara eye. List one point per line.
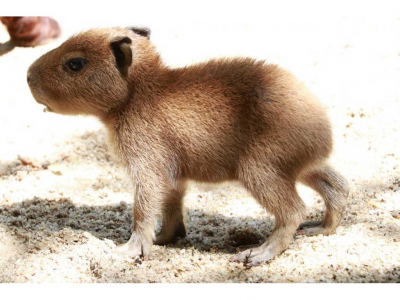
(76, 64)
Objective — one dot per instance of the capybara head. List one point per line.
(92, 72)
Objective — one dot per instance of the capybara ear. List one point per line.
(143, 31)
(120, 46)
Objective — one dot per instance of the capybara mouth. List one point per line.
(47, 109)
(36, 93)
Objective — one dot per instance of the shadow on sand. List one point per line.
(113, 222)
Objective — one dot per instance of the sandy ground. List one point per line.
(65, 202)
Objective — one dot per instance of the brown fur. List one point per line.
(227, 119)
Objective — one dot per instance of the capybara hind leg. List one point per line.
(334, 189)
(279, 197)
(273, 246)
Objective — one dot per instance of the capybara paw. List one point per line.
(254, 257)
(312, 228)
(136, 246)
(168, 236)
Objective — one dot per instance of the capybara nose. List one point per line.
(30, 76)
